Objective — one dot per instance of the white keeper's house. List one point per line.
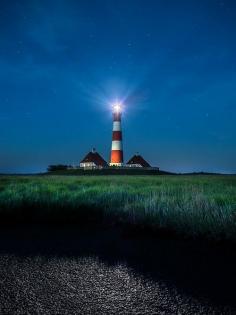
(93, 160)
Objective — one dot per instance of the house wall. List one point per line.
(134, 165)
(88, 165)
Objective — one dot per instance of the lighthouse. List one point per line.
(116, 147)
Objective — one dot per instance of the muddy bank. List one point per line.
(106, 270)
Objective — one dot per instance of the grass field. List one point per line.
(196, 206)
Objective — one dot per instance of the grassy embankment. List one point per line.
(188, 205)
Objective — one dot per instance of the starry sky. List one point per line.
(172, 63)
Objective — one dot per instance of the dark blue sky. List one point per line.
(172, 62)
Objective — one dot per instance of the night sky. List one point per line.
(172, 63)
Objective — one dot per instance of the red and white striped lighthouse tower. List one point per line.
(116, 148)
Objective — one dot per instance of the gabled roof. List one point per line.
(94, 157)
(138, 159)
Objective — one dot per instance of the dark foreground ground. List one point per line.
(74, 271)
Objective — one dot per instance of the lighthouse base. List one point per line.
(116, 164)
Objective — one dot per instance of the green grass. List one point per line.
(188, 205)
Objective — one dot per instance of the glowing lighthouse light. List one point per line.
(116, 147)
(117, 107)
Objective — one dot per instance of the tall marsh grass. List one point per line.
(189, 205)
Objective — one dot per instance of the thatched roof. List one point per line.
(138, 159)
(94, 157)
